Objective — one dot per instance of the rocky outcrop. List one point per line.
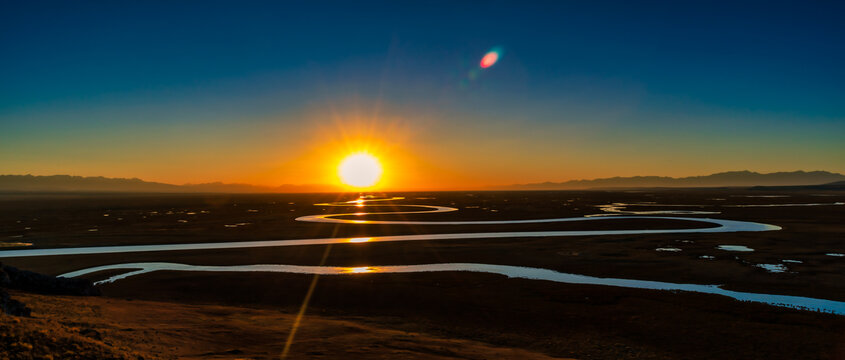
(14, 278)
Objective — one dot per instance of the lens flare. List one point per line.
(489, 59)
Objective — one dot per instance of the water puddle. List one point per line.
(773, 268)
(619, 209)
(735, 248)
(668, 249)
(236, 225)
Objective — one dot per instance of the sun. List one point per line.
(359, 170)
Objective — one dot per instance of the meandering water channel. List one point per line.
(719, 226)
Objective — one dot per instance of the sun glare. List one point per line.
(360, 170)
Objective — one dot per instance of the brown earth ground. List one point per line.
(65, 327)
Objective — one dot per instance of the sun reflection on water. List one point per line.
(360, 270)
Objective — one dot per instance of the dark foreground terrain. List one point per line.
(450, 314)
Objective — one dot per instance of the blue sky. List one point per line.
(639, 78)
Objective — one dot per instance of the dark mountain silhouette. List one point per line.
(839, 185)
(725, 179)
(67, 183)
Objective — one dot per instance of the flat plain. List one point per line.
(450, 314)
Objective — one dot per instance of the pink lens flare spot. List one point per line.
(489, 59)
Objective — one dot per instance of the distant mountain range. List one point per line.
(67, 183)
(724, 179)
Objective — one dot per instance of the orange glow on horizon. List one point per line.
(419, 149)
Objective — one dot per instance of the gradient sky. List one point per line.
(276, 93)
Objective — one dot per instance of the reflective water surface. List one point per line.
(620, 209)
(774, 268)
(735, 248)
(668, 249)
(717, 226)
(14, 244)
(721, 226)
(798, 302)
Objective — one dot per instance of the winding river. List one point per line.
(719, 226)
